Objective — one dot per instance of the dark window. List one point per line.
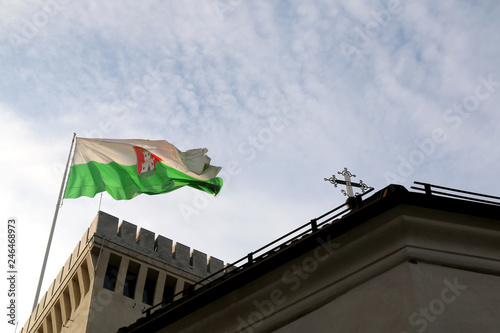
(112, 272)
(131, 279)
(169, 289)
(187, 288)
(49, 323)
(67, 304)
(76, 290)
(148, 293)
(86, 278)
(58, 316)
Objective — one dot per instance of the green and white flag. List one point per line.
(127, 168)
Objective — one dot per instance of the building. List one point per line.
(393, 261)
(113, 274)
(399, 261)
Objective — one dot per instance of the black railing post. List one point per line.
(314, 225)
(250, 258)
(428, 189)
(359, 201)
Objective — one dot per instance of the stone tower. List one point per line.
(113, 274)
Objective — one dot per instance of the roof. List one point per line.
(303, 239)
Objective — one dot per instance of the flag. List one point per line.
(127, 168)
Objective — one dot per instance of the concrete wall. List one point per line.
(411, 298)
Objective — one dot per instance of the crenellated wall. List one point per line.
(159, 247)
(73, 282)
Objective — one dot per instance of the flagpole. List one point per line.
(61, 193)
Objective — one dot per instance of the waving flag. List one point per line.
(127, 168)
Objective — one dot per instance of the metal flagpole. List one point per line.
(100, 200)
(61, 192)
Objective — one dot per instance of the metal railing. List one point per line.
(431, 189)
(264, 252)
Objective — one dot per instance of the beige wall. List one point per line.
(411, 298)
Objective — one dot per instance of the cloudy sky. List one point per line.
(282, 93)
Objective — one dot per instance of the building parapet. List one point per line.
(160, 248)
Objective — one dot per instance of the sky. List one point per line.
(282, 93)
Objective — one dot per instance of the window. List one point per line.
(67, 305)
(112, 272)
(76, 290)
(58, 316)
(169, 289)
(85, 277)
(187, 288)
(150, 286)
(131, 279)
(48, 322)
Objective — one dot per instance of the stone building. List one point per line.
(397, 262)
(113, 274)
(394, 261)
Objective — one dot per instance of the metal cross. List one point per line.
(347, 182)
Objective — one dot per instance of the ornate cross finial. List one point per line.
(347, 182)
